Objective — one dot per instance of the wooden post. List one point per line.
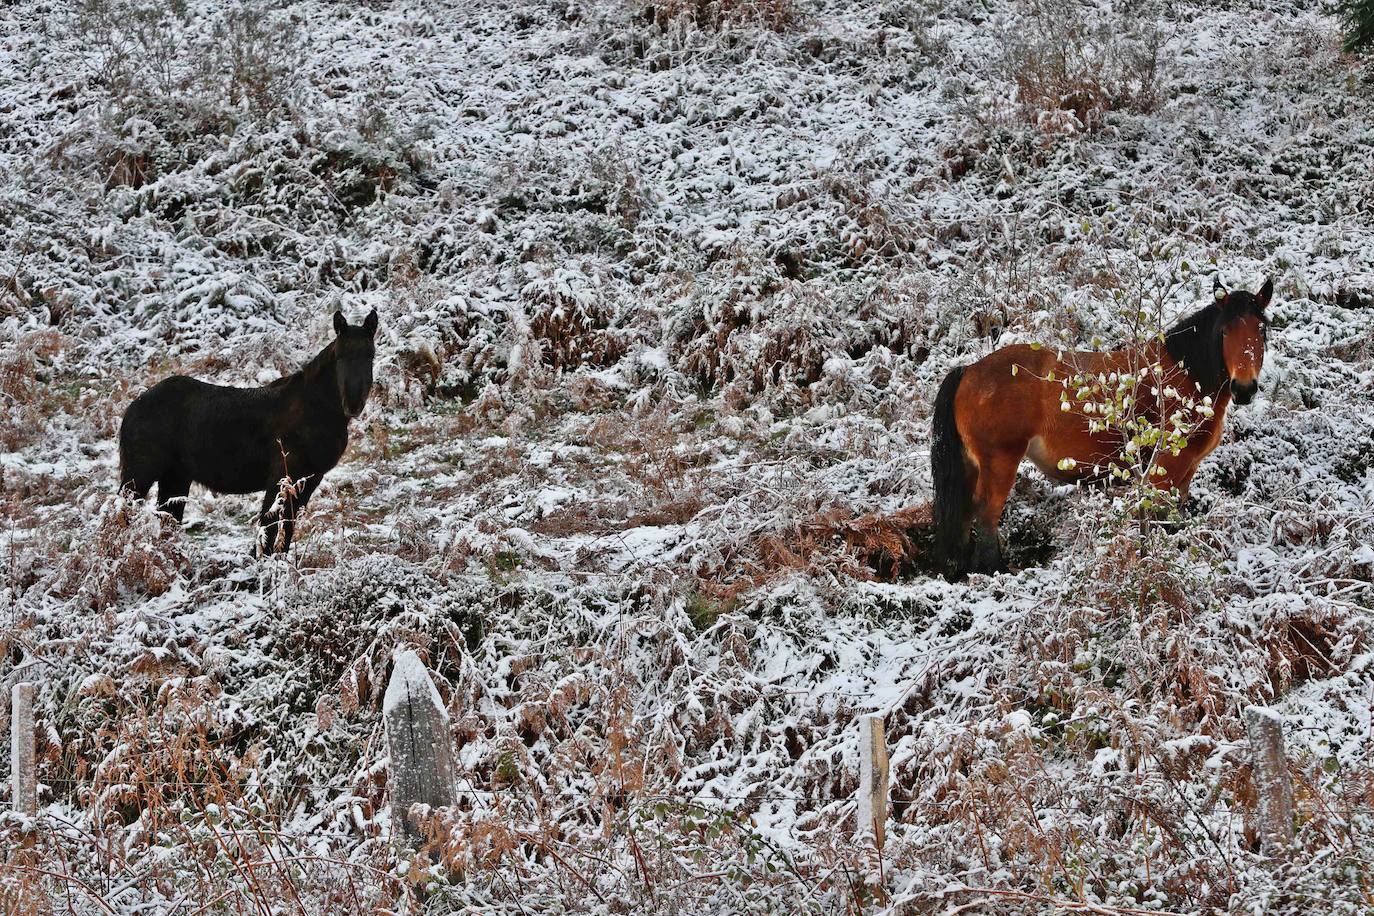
(23, 773)
(1273, 784)
(417, 738)
(871, 817)
(872, 814)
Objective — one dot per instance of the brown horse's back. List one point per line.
(1010, 404)
(1008, 386)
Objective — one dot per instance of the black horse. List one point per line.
(281, 438)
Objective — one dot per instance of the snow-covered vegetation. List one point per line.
(666, 291)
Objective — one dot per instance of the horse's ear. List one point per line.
(1218, 291)
(340, 324)
(1265, 294)
(370, 323)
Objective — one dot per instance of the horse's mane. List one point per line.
(1195, 342)
(318, 365)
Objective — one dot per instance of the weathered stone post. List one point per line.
(23, 770)
(417, 738)
(1273, 784)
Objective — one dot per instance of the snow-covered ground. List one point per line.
(666, 290)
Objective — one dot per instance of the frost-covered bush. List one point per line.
(843, 219)
(348, 622)
(1072, 64)
(126, 551)
(171, 62)
(565, 322)
(368, 155)
(474, 343)
(747, 330)
(24, 386)
(253, 58)
(138, 49)
(172, 77)
(777, 15)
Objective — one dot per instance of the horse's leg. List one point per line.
(1178, 474)
(294, 506)
(268, 522)
(171, 495)
(136, 483)
(136, 487)
(996, 475)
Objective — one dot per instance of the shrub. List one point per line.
(751, 331)
(158, 59)
(253, 58)
(845, 218)
(356, 614)
(566, 322)
(171, 774)
(128, 550)
(22, 392)
(777, 15)
(169, 79)
(370, 154)
(1071, 68)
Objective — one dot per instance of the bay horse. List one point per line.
(280, 438)
(1028, 402)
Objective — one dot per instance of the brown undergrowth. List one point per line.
(833, 542)
(777, 15)
(175, 776)
(1071, 68)
(130, 551)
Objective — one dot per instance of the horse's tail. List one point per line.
(134, 473)
(125, 481)
(953, 494)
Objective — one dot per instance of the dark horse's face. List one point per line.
(354, 350)
(1242, 339)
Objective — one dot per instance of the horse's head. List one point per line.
(354, 350)
(1243, 326)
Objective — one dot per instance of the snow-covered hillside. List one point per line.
(666, 289)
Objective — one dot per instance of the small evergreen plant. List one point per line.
(1359, 24)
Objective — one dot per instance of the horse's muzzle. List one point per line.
(1244, 392)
